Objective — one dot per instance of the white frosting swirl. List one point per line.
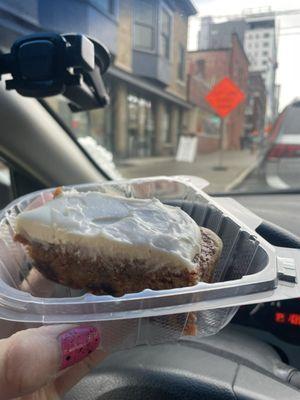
(99, 223)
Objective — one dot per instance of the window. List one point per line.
(249, 45)
(201, 68)
(144, 25)
(265, 62)
(265, 53)
(266, 35)
(181, 62)
(250, 36)
(210, 125)
(257, 44)
(257, 36)
(265, 44)
(166, 126)
(106, 5)
(180, 126)
(240, 76)
(96, 124)
(165, 33)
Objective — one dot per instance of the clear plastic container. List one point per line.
(250, 270)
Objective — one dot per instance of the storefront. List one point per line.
(135, 124)
(147, 120)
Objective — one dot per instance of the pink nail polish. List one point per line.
(77, 343)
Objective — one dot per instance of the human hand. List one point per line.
(39, 363)
(44, 363)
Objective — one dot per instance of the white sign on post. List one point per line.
(187, 148)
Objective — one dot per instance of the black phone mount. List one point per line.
(47, 64)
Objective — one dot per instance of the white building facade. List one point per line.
(261, 48)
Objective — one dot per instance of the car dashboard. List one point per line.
(277, 323)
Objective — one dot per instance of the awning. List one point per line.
(146, 86)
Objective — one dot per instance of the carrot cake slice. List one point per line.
(115, 245)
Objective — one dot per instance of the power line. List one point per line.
(288, 27)
(287, 12)
(288, 33)
(274, 13)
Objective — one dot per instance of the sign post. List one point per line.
(220, 166)
(223, 98)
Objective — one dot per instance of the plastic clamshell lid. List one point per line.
(18, 305)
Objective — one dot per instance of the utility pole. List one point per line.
(221, 166)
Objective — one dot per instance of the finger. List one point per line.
(37, 285)
(67, 379)
(113, 335)
(31, 358)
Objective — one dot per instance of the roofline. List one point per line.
(224, 48)
(209, 50)
(190, 6)
(241, 46)
(260, 18)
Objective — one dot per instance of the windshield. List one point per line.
(206, 88)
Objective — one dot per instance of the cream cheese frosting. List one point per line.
(114, 226)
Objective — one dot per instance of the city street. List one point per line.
(279, 175)
(236, 164)
(244, 172)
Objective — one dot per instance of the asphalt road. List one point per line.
(273, 175)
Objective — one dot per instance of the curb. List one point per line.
(137, 161)
(244, 174)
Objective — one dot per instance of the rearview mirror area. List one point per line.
(48, 64)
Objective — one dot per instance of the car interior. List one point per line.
(256, 356)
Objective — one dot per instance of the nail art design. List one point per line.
(77, 343)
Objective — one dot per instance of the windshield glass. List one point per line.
(206, 88)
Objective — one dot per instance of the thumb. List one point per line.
(31, 358)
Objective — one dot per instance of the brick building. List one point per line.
(201, 120)
(210, 66)
(147, 79)
(258, 34)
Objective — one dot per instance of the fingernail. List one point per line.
(77, 343)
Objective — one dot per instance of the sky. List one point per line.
(288, 72)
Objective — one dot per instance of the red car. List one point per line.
(285, 135)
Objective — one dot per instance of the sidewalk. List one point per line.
(239, 164)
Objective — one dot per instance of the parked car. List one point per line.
(285, 136)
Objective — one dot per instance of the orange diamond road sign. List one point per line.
(224, 97)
